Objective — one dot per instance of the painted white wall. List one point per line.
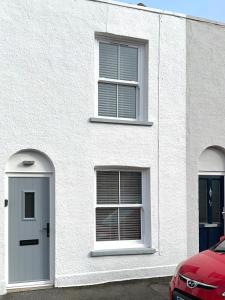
(172, 138)
(48, 94)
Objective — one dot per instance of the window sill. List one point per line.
(123, 251)
(119, 121)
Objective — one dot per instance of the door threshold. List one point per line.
(28, 286)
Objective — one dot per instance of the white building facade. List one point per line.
(94, 144)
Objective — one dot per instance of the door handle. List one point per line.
(47, 228)
(223, 212)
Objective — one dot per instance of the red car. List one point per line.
(201, 277)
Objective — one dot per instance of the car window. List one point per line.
(220, 247)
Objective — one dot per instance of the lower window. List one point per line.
(119, 209)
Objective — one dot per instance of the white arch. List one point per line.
(29, 161)
(212, 159)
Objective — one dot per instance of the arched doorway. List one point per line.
(211, 196)
(30, 219)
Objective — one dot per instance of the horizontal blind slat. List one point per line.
(106, 224)
(128, 63)
(126, 101)
(108, 60)
(130, 223)
(107, 187)
(107, 100)
(130, 187)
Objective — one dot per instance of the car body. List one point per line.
(201, 277)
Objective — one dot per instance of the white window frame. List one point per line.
(141, 84)
(145, 240)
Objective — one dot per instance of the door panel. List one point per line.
(211, 201)
(28, 218)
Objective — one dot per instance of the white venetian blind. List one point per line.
(117, 63)
(126, 101)
(113, 220)
(128, 63)
(107, 100)
(108, 60)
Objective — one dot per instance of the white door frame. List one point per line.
(52, 232)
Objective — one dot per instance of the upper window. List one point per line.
(120, 83)
(119, 205)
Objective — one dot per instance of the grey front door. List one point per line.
(28, 229)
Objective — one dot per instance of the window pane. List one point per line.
(203, 201)
(106, 224)
(126, 101)
(128, 63)
(29, 205)
(107, 100)
(108, 61)
(216, 214)
(130, 223)
(107, 187)
(130, 188)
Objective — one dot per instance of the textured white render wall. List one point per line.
(47, 92)
(172, 138)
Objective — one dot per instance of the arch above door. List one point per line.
(29, 161)
(212, 159)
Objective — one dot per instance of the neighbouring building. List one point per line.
(112, 130)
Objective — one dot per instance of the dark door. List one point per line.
(211, 202)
